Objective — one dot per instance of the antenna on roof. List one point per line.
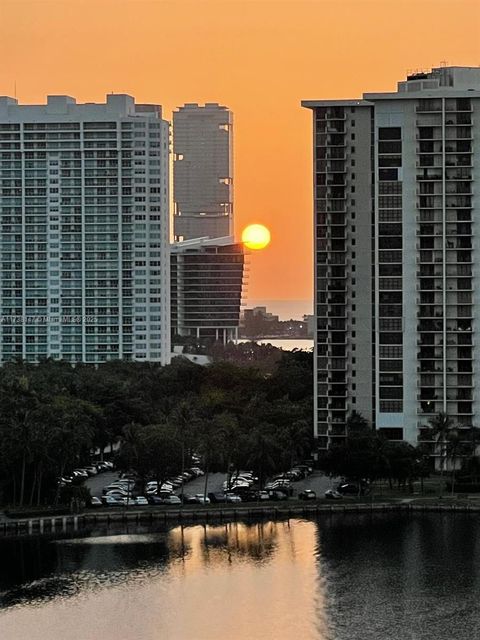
(14, 88)
(443, 63)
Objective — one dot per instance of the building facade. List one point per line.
(397, 255)
(203, 171)
(84, 215)
(207, 281)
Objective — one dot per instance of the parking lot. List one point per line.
(316, 481)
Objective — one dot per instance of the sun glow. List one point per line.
(256, 236)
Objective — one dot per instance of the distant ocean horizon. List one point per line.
(284, 309)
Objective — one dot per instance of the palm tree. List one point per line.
(209, 436)
(185, 418)
(455, 447)
(264, 449)
(440, 426)
(356, 422)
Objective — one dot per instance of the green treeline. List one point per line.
(52, 415)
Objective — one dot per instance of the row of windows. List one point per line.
(391, 406)
(391, 393)
(390, 201)
(391, 351)
(390, 283)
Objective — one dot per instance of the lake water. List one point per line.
(344, 577)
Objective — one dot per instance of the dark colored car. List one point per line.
(348, 489)
(307, 494)
(277, 495)
(217, 497)
(353, 489)
(331, 494)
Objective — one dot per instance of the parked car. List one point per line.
(172, 500)
(348, 489)
(111, 501)
(119, 493)
(217, 497)
(332, 494)
(127, 482)
(199, 498)
(118, 485)
(95, 502)
(91, 470)
(154, 491)
(126, 501)
(233, 497)
(81, 472)
(307, 494)
(278, 495)
(155, 499)
(141, 501)
(121, 485)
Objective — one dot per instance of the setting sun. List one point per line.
(256, 236)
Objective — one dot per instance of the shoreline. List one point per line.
(64, 525)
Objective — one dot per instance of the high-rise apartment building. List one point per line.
(397, 255)
(84, 266)
(207, 281)
(203, 171)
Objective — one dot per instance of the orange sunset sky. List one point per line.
(260, 58)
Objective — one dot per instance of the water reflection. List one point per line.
(244, 581)
(344, 578)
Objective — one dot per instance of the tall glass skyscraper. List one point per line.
(84, 231)
(202, 171)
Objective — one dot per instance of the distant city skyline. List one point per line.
(260, 58)
(284, 309)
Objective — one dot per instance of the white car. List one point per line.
(126, 483)
(141, 501)
(235, 483)
(117, 487)
(166, 486)
(232, 497)
(173, 499)
(92, 470)
(118, 493)
(201, 499)
(111, 501)
(153, 491)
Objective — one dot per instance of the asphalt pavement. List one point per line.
(96, 483)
